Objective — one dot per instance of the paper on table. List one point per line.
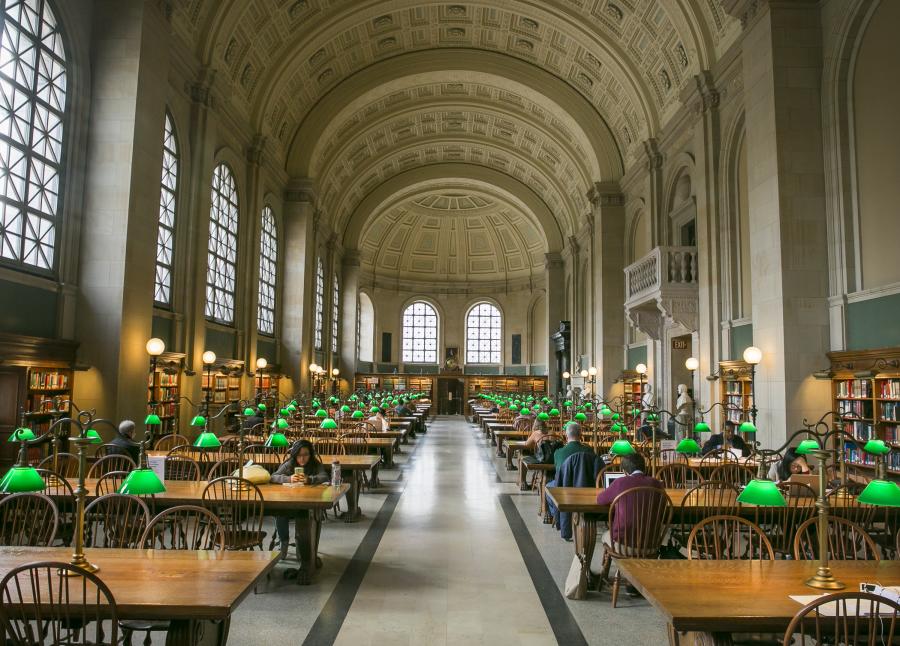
(831, 609)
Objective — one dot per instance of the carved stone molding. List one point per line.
(648, 321)
(681, 311)
(707, 95)
(606, 194)
(256, 151)
(201, 90)
(654, 156)
(351, 258)
(553, 260)
(301, 190)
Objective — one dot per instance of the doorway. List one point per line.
(450, 395)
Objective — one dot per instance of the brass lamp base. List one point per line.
(79, 561)
(824, 580)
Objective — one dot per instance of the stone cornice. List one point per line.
(606, 194)
(301, 190)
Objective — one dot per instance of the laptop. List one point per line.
(609, 476)
(811, 480)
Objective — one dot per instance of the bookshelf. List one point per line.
(223, 384)
(164, 388)
(48, 392)
(633, 393)
(735, 391)
(866, 391)
(473, 384)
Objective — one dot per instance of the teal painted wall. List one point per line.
(635, 356)
(220, 342)
(874, 323)
(30, 311)
(741, 339)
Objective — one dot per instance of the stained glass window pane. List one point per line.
(420, 327)
(221, 269)
(268, 258)
(483, 334)
(32, 103)
(165, 237)
(335, 309)
(320, 305)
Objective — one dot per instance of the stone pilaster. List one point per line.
(554, 274)
(349, 312)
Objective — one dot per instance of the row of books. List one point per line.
(734, 388)
(854, 388)
(856, 408)
(48, 380)
(863, 431)
(890, 411)
(890, 388)
(856, 456)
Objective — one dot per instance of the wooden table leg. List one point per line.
(500, 452)
(308, 529)
(191, 632)
(585, 530)
(353, 512)
(543, 511)
(510, 454)
(389, 457)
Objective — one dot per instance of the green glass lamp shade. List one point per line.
(374, 410)
(334, 400)
(294, 402)
(615, 417)
(249, 412)
(652, 417)
(580, 417)
(618, 428)
(587, 405)
(635, 412)
(321, 413)
(277, 439)
(21, 480)
(554, 412)
(207, 440)
(512, 404)
(261, 407)
(292, 408)
(530, 398)
(328, 424)
(284, 412)
(568, 402)
(525, 411)
(763, 493)
(395, 402)
(701, 427)
(879, 492)
(688, 445)
(621, 447)
(94, 436)
(876, 447)
(142, 482)
(21, 434)
(353, 398)
(357, 414)
(748, 427)
(605, 411)
(345, 408)
(281, 424)
(315, 403)
(806, 446)
(152, 420)
(198, 420)
(543, 417)
(514, 409)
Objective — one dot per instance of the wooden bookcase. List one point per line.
(633, 394)
(164, 388)
(474, 383)
(735, 391)
(224, 385)
(865, 387)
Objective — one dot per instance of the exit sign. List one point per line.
(681, 344)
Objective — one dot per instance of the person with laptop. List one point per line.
(792, 464)
(633, 466)
(725, 440)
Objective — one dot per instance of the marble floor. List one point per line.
(440, 558)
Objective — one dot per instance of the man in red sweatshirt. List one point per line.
(634, 466)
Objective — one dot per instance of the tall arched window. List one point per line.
(484, 337)
(32, 106)
(222, 257)
(335, 312)
(165, 236)
(365, 328)
(420, 333)
(320, 304)
(268, 258)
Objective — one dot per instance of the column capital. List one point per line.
(301, 189)
(553, 260)
(702, 95)
(351, 258)
(605, 194)
(654, 156)
(200, 90)
(256, 151)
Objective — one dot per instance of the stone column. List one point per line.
(608, 217)
(349, 313)
(299, 274)
(782, 58)
(248, 260)
(129, 73)
(554, 273)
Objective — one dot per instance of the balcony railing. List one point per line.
(662, 268)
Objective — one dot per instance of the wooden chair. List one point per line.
(780, 523)
(111, 463)
(224, 467)
(679, 476)
(55, 484)
(850, 618)
(671, 456)
(106, 449)
(200, 456)
(709, 498)
(115, 520)
(62, 494)
(179, 467)
(847, 541)
(522, 425)
(354, 444)
(728, 538)
(615, 466)
(66, 464)
(329, 446)
(110, 482)
(28, 520)
(644, 514)
(269, 457)
(845, 505)
(77, 607)
(239, 506)
(715, 458)
(733, 473)
(169, 442)
(185, 527)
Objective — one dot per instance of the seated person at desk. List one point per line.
(123, 443)
(573, 445)
(402, 409)
(301, 456)
(530, 416)
(727, 438)
(380, 422)
(252, 421)
(792, 463)
(634, 466)
(538, 433)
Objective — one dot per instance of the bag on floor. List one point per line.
(572, 578)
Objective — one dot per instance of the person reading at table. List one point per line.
(792, 463)
(573, 445)
(634, 466)
(123, 443)
(538, 433)
(302, 466)
(726, 439)
(402, 409)
(379, 421)
(529, 416)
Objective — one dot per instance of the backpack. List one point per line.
(545, 450)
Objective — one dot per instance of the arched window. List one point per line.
(222, 257)
(420, 333)
(320, 304)
(268, 258)
(165, 236)
(335, 310)
(484, 337)
(32, 105)
(365, 328)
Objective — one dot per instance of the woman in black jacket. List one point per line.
(304, 466)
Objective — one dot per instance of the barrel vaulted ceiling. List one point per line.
(553, 94)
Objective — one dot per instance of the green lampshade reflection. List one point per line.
(328, 424)
(281, 424)
(248, 412)
(152, 420)
(748, 427)
(321, 413)
(635, 412)
(345, 408)
(688, 445)
(876, 447)
(880, 492)
(21, 434)
(701, 427)
(580, 417)
(315, 403)
(514, 409)
(357, 414)
(525, 411)
(543, 416)
(198, 420)
(621, 447)
(142, 482)
(763, 493)
(277, 439)
(806, 446)
(94, 436)
(207, 440)
(554, 412)
(21, 480)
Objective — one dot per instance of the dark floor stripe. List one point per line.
(564, 626)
